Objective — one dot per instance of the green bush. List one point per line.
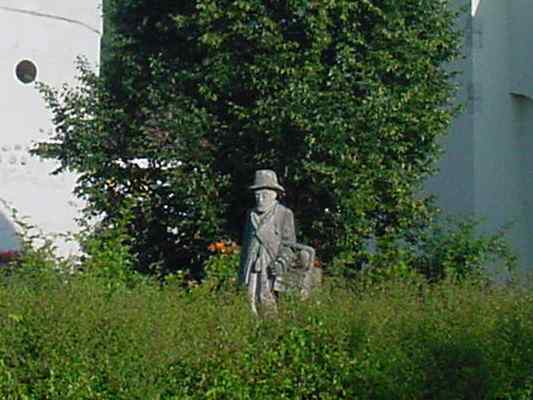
(399, 339)
(457, 247)
(345, 99)
(106, 253)
(443, 248)
(221, 268)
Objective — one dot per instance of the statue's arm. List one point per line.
(288, 234)
(245, 248)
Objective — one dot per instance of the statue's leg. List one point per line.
(267, 299)
(253, 292)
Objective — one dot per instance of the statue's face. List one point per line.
(264, 199)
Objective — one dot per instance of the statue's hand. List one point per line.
(256, 268)
(275, 268)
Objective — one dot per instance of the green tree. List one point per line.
(345, 99)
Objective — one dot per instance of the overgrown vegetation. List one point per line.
(345, 99)
(99, 330)
(76, 337)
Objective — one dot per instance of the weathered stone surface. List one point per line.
(299, 274)
(271, 260)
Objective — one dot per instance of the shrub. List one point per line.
(345, 99)
(221, 269)
(445, 247)
(106, 253)
(458, 247)
(395, 339)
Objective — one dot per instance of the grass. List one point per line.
(83, 338)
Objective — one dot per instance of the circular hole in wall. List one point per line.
(26, 71)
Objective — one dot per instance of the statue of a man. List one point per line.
(267, 226)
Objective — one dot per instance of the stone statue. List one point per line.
(271, 260)
(296, 272)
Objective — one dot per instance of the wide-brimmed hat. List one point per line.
(266, 179)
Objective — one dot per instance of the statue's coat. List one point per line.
(263, 234)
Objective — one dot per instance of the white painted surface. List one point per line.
(490, 145)
(455, 184)
(52, 34)
(475, 6)
(521, 46)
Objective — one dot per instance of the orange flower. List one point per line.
(317, 263)
(223, 247)
(218, 247)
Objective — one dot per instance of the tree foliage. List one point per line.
(344, 99)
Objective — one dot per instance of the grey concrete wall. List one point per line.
(521, 47)
(521, 86)
(501, 128)
(454, 185)
(523, 122)
(495, 140)
(51, 34)
(496, 131)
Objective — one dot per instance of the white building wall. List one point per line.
(521, 46)
(454, 186)
(51, 34)
(499, 167)
(521, 88)
(496, 130)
